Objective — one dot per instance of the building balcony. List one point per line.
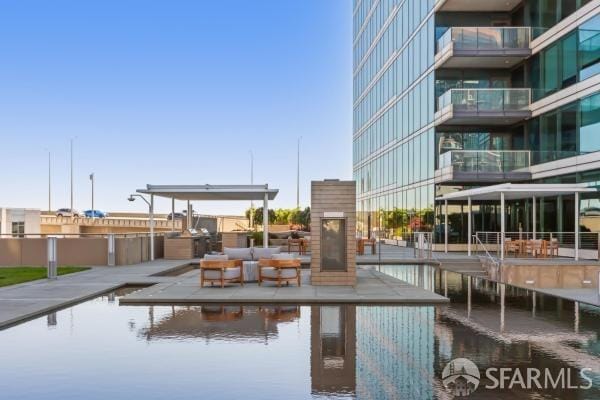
(483, 47)
(483, 107)
(483, 166)
(476, 5)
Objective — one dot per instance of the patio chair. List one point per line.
(512, 246)
(553, 247)
(534, 247)
(221, 270)
(279, 269)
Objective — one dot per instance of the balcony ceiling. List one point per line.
(481, 62)
(479, 119)
(477, 5)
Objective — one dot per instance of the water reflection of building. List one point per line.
(333, 349)
(395, 353)
(214, 322)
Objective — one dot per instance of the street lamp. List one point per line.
(151, 213)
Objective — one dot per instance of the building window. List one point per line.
(18, 229)
(572, 59)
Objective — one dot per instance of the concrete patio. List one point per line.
(372, 287)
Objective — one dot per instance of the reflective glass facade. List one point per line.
(394, 100)
(400, 92)
(573, 58)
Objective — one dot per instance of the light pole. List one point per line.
(49, 181)
(151, 213)
(93, 209)
(298, 175)
(252, 183)
(71, 141)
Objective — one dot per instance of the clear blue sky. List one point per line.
(172, 92)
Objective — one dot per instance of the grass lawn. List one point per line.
(14, 275)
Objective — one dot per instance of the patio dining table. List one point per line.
(524, 245)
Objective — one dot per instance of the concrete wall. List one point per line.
(78, 251)
(339, 198)
(17, 252)
(563, 276)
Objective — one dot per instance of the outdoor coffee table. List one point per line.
(250, 271)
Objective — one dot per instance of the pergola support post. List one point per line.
(445, 226)
(266, 219)
(188, 218)
(576, 226)
(502, 225)
(469, 233)
(151, 227)
(534, 217)
(173, 214)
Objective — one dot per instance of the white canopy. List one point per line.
(515, 191)
(211, 192)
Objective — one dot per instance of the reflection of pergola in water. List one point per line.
(209, 193)
(511, 191)
(219, 321)
(510, 325)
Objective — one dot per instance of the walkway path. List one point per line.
(31, 299)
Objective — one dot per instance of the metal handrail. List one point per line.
(489, 256)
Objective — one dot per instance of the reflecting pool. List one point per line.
(100, 350)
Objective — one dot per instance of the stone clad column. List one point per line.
(333, 233)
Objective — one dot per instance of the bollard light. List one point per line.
(52, 258)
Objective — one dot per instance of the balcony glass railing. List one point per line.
(482, 161)
(486, 38)
(486, 100)
(486, 161)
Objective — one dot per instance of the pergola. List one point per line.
(207, 193)
(512, 191)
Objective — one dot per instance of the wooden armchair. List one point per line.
(535, 247)
(515, 246)
(279, 271)
(553, 247)
(221, 271)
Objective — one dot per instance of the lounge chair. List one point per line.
(280, 268)
(218, 268)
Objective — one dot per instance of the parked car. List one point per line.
(177, 215)
(95, 214)
(67, 212)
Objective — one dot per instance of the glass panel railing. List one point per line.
(544, 156)
(486, 100)
(486, 38)
(486, 161)
(482, 161)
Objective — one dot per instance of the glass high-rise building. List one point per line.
(455, 94)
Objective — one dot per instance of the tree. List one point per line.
(258, 216)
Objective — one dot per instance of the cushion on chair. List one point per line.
(270, 272)
(215, 257)
(230, 273)
(238, 253)
(283, 256)
(261, 252)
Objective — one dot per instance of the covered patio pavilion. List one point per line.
(511, 191)
(191, 193)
